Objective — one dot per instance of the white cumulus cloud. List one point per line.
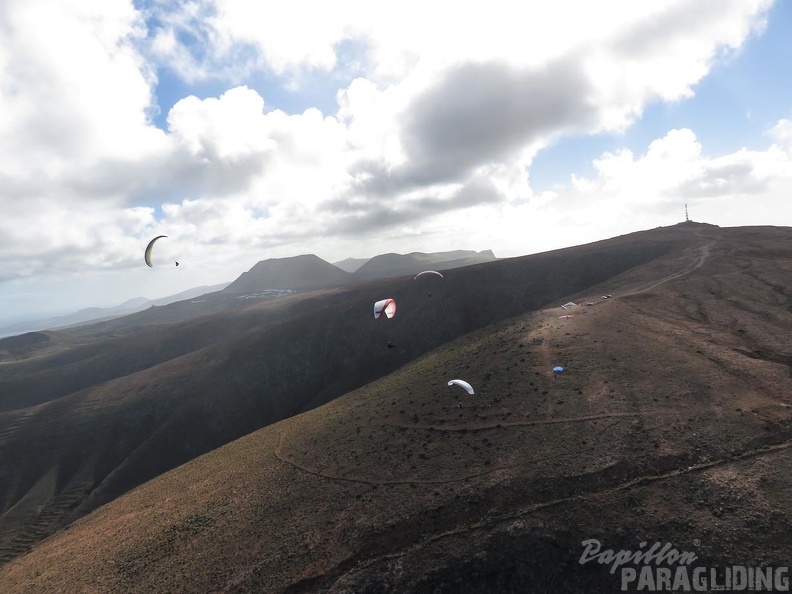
(430, 147)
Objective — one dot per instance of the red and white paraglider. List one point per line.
(384, 306)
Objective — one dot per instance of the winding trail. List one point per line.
(703, 254)
(500, 424)
(281, 456)
(488, 523)
(278, 453)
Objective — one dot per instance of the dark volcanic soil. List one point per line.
(87, 416)
(672, 424)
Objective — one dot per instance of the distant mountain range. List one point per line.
(99, 314)
(409, 263)
(296, 274)
(309, 272)
(396, 264)
(351, 264)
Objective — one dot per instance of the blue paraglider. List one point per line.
(556, 371)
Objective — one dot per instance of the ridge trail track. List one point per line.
(703, 254)
(515, 518)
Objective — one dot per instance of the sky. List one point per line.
(251, 130)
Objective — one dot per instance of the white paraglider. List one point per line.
(428, 272)
(463, 384)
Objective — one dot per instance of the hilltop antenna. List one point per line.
(687, 220)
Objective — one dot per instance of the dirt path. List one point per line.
(319, 472)
(544, 355)
(703, 254)
(278, 453)
(497, 424)
(490, 522)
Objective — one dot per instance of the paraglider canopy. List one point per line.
(463, 384)
(147, 253)
(558, 369)
(386, 306)
(428, 272)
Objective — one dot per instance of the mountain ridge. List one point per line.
(261, 282)
(393, 264)
(137, 392)
(304, 272)
(672, 423)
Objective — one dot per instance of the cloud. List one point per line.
(453, 111)
(689, 36)
(482, 113)
(365, 217)
(74, 87)
(734, 177)
(628, 192)
(782, 131)
(433, 140)
(732, 189)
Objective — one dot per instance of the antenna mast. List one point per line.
(687, 220)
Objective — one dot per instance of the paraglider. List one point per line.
(556, 370)
(463, 384)
(391, 346)
(147, 254)
(428, 272)
(386, 306)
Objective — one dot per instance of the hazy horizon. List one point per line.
(32, 319)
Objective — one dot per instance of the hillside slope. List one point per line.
(671, 425)
(85, 419)
(301, 273)
(272, 279)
